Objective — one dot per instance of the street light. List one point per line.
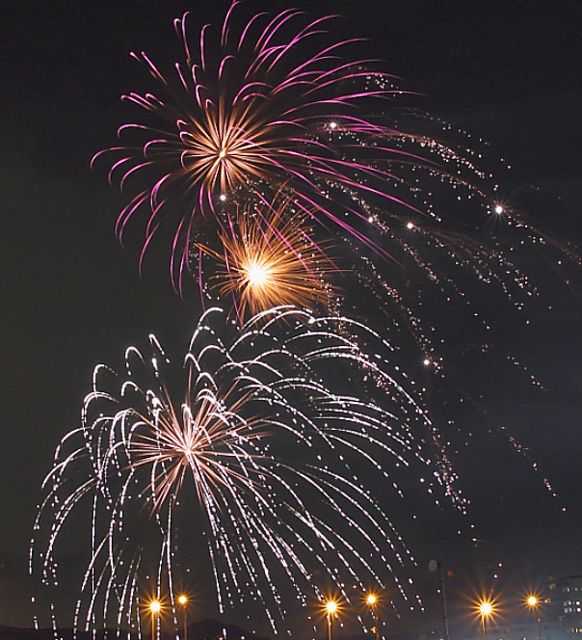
(155, 607)
(533, 602)
(485, 610)
(331, 608)
(183, 601)
(372, 600)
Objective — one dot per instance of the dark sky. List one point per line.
(508, 72)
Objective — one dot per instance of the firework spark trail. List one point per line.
(264, 434)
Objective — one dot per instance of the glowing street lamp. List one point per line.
(155, 607)
(533, 602)
(372, 600)
(331, 609)
(183, 602)
(485, 610)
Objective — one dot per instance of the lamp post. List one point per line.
(533, 602)
(331, 608)
(183, 601)
(372, 600)
(155, 607)
(485, 610)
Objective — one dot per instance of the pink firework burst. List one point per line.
(249, 113)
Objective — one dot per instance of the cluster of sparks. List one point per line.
(256, 437)
(280, 192)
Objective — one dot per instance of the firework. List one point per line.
(270, 259)
(273, 109)
(259, 145)
(257, 455)
(268, 108)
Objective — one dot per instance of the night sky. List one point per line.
(508, 72)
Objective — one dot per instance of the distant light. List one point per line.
(426, 362)
(498, 209)
(410, 225)
(155, 606)
(222, 197)
(333, 125)
(371, 599)
(182, 600)
(331, 606)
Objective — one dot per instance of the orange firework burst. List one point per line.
(272, 260)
